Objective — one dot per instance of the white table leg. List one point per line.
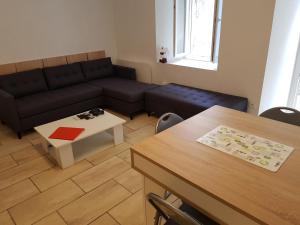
(45, 145)
(151, 187)
(64, 156)
(118, 134)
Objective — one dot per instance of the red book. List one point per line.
(66, 133)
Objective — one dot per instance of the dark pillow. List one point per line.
(97, 69)
(65, 75)
(24, 83)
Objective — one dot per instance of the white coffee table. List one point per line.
(99, 131)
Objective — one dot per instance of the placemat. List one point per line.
(256, 150)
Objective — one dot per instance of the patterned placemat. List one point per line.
(256, 150)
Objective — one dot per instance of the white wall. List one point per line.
(246, 29)
(33, 29)
(282, 55)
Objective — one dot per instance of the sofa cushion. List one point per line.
(50, 100)
(97, 69)
(123, 89)
(65, 75)
(24, 83)
(187, 101)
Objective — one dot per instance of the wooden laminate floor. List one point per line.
(100, 190)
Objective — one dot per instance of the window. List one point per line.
(294, 98)
(197, 26)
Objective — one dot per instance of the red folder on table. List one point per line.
(66, 133)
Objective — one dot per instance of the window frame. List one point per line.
(215, 36)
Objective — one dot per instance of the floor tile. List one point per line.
(101, 173)
(13, 146)
(27, 154)
(131, 180)
(118, 115)
(126, 156)
(105, 154)
(104, 220)
(56, 175)
(23, 171)
(53, 219)
(39, 206)
(140, 121)
(140, 134)
(131, 211)
(16, 193)
(127, 130)
(5, 219)
(7, 162)
(92, 205)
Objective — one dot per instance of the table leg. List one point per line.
(45, 145)
(151, 187)
(64, 156)
(118, 134)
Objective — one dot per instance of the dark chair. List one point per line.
(166, 121)
(283, 114)
(184, 215)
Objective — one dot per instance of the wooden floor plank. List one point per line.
(27, 154)
(53, 219)
(131, 211)
(126, 156)
(7, 162)
(89, 207)
(5, 219)
(56, 175)
(140, 121)
(16, 193)
(131, 180)
(12, 146)
(45, 203)
(103, 155)
(105, 220)
(23, 171)
(101, 173)
(140, 134)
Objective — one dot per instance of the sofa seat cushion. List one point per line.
(188, 101)
(24, 83)
(97, 69)
(123, 89)
(50, 100)
(65, 75)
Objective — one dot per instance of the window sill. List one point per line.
(195, 64)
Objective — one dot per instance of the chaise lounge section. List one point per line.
(187, 101)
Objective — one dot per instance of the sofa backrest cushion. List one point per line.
(65, 75)
(97, 69)
(24, 83)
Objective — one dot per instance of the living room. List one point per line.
(253, 66)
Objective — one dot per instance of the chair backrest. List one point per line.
(166, 121)
(169, 212)
(283, 114)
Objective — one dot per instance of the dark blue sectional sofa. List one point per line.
(32, 98)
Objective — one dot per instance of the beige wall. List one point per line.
(282, 55)
(246, 29)
(32, 29)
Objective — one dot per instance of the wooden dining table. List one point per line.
(228, 189)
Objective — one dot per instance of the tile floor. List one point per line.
(100, 190)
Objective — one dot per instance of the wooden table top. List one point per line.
(264, 196)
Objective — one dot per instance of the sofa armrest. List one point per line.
(8, 111)
(124, 72)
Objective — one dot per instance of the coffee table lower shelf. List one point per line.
(68, 154)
